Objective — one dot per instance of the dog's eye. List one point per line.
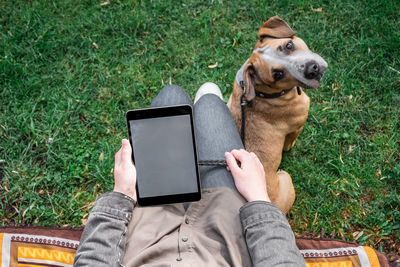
(278, 74)
(290, 45)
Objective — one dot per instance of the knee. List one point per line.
(172, 89)
(171, 95)
(210, 101)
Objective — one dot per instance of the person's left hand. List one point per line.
(250, 176)
(125, 171)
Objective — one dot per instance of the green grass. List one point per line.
(62, 101)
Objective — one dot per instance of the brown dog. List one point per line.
(277, 108)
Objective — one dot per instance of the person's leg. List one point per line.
(171, 95)
(216, 133)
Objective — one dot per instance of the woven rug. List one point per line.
(35, 246)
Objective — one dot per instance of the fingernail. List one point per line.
(226, 154)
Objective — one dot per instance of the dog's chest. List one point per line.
(284, 116)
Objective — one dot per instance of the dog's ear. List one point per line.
(250, 74)
(275, 27)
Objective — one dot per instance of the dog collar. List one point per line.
(276, 95)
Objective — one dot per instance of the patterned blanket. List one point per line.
(34, 246)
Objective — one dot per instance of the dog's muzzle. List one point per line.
(307, 67)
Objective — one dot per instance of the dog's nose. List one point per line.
(311, 70)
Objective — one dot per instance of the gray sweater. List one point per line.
(257, 235)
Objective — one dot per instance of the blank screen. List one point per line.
(164, 156)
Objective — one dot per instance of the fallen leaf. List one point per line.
(341, 160)
(335, 86)
(315, 218)
(357, 235)
(349, 98)
(213, 66)
(95, 45)
(83, 221)
(50, 140)
(105, 3)
(378, 173)
(41, 192)
(351, 148)
(393, 69)
(318, 9)
(101, 157)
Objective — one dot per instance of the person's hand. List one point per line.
(125, 171)
(250, 176)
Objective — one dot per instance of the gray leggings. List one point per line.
(215, 132)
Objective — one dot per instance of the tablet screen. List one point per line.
(164, 155)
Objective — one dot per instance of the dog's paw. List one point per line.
(287, 147)
(280, 172)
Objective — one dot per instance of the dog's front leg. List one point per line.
(290, 139)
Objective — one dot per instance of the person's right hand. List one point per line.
(125, 171)
(250, 176)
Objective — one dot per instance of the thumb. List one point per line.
(232, 164)
(126, 150)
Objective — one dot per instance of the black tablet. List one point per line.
(164, 153)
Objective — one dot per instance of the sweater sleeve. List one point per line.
(268, 235)
(104, 237)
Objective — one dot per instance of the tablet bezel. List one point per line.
(159, 112)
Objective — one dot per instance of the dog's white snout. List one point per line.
(323, 66)
(310, 68)
(304, 59)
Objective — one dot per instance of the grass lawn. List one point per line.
(69, 70)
